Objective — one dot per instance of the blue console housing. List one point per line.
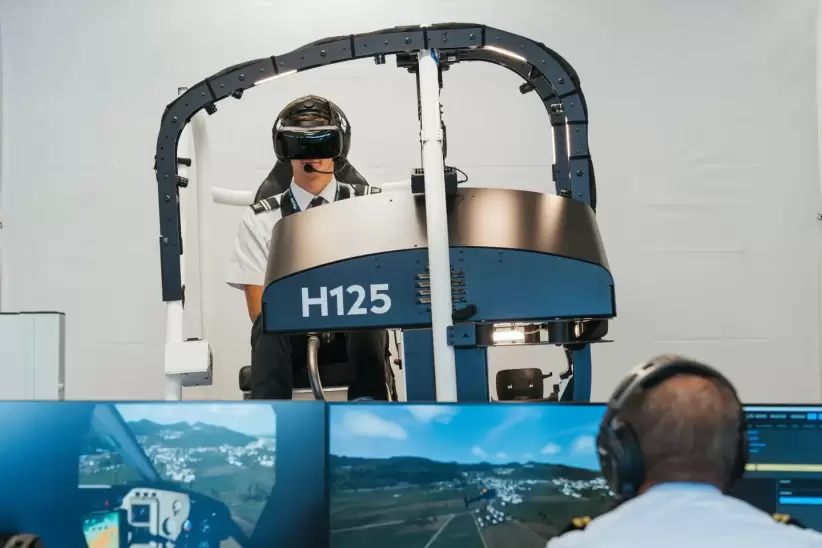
(505, 285)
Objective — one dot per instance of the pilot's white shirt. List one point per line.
(687, 515)
(249, 259)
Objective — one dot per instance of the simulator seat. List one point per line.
(281, 175)
(333, 366)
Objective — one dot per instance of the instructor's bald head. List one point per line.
(687, 428)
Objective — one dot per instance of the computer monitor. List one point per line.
(228, 474)
(784, 472)
(467, 476)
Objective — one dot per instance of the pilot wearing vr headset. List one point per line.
(671, 444)
(312, 137)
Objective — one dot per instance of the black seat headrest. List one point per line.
(281, 174)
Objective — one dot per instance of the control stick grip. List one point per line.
(314, 367)
(21, 541)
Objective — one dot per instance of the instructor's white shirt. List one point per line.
(687, 515)
(249, 260)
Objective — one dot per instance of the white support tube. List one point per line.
(200, 158)
(439, 261)
(231, 197)
(227, 196)
(174, 309)
(4, 294)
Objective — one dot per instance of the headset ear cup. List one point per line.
(630, 467)
(606, 449)
(741, 460)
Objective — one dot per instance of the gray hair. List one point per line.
(687, 428)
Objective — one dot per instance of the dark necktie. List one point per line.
(317, 202)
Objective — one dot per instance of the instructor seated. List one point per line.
(313, 185)
(671, 444)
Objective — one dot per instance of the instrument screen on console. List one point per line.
(103, 529)
(140, 514)
(467, 476)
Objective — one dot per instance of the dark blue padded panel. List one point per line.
(505, 285)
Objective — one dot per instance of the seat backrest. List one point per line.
(281, 174)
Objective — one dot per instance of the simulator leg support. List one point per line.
(470, 342)
(472, 374)
(420, 382)
(582, 373)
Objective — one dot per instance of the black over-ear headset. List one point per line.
(293, 117)
(620, 455)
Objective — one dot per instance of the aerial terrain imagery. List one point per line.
(225, 452)
(484, 476)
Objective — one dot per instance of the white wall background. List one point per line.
(703, 131)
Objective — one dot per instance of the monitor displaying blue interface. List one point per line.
(467, 476)
(241, 475)
(784, 472)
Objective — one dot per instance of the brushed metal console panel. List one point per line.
(477, 217)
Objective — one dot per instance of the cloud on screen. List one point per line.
(583, 445)
(478, 452)
(551, 449)
(249, 417)
(369, 425)
(517, 415)
(432, 413)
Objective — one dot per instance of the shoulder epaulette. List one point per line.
(786, 519)
(577, 524)
(266, 204)
(364, 190)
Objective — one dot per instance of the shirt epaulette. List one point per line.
(364, 190)
(577, 524)
(786, 519)
(266, 204)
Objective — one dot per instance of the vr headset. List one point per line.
(311, 128)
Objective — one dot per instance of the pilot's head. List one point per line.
(313, 134)
(687, 422)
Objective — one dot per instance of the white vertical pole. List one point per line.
(4, 307)
(200, 156)
(174, 309)
(439, 261)
(819, 132)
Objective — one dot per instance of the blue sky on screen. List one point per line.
(496, 433)
(253, 419)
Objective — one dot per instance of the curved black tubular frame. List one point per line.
(543, 70)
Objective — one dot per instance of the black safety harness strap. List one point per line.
(288, 205)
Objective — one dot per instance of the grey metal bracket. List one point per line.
(471, 335)
(551, 76)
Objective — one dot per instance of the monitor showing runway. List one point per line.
(441, 476)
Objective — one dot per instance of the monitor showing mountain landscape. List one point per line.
(467, 476)
(164, 462)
